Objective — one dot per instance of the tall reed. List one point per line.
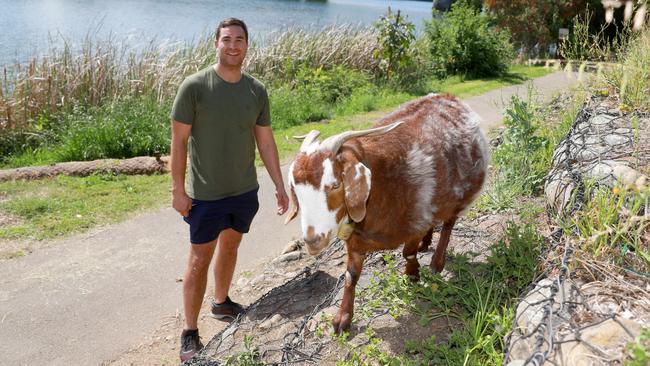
(107, 70)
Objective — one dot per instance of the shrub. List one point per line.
(332, 84)
(291, 108)
(396, 35)
(521, 156)
(129, 128)
(463, 42)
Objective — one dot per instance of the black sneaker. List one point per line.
(190, 344)
(227, 310)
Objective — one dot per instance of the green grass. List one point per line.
(465, 88)
(56, 207)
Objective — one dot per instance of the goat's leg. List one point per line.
(412, 265)
(438, 260)
(343, 318)
(426, 241)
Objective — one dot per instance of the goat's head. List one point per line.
(330, 188)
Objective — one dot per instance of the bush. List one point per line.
(463, 42)
(124, 129)
(313, 94)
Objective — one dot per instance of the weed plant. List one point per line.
(639, 350)
(462, 41)
(476, 300)
(250, 356)
(523, 156)
(631, 79)
(613, 226)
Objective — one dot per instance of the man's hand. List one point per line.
(283, 201)
(182, 203)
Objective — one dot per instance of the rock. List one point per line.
(600, 344)
(615, 140)
(292, 246)
(242, 282)
(291, 256)
(586, 155)
(601, 119)
(271, 322)
(591, 140)
(626, 175)
(601, 171)
(257, 281)
(558, 191)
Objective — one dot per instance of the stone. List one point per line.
(607, 338)
(242, 282)
(623, 131)
(615, 140)
(257, 281)
(292, 246)
(288, 257)
(601, 119)
(529, 311)
(271, 322)
(558, 191)
(586, 155)
(592, 140)
(601, 171)
(626, 175)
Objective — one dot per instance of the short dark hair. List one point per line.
(229, 22)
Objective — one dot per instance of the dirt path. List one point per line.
(91, 298)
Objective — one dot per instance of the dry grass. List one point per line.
(108, 70)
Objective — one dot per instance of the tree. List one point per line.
(536, 22)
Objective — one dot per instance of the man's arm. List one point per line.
(269, 154)
(180, 134)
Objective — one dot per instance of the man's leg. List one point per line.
(226, 259)
(195, 281)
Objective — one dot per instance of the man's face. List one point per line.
(231, 46)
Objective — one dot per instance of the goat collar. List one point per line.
(346, 227)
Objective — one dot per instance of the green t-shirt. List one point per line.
(223, 116)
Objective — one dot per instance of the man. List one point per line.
(219, 114)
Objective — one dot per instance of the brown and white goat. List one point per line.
(422, 166)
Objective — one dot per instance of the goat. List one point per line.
(421, 166)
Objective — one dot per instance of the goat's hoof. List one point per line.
(413, 276)
(341, 322)
(435, 269)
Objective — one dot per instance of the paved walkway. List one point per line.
(88, 298)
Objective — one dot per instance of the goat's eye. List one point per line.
(336, 185)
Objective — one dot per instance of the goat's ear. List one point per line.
(293, 211)
(356, 180)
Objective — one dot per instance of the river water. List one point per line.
(29, 27)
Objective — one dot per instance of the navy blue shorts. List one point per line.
(208, 218)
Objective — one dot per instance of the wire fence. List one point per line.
(576, 298)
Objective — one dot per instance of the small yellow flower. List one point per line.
(616, 190)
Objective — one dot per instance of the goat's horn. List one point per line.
(333, 143)
(307, 139)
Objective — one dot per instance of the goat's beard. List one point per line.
(317, 249)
